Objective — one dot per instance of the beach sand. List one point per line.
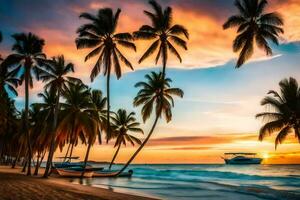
(16, 186)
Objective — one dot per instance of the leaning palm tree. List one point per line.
(254, 26)
(56, 79)
(155, 94)
(284, 117)
(164, 33)
(122, 123)
(100, 34)
(27, 60)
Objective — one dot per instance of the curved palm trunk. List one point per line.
(27, 74)
(140, 147)
(112, 162)
(86, 158)
(52, 145)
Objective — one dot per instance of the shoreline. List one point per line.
(16, 185)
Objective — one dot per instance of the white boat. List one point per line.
(241, 158)
(75, 173)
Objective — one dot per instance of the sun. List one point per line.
(265, 155)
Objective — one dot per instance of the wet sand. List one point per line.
(16, 186)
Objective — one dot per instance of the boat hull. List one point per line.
(255, 161)
(73, 173)
(112, 173)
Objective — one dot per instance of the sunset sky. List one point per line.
(217, 113)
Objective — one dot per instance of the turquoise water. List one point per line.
(189, 181)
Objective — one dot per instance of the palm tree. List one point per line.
(156, 93)
(27, 60)
(56, 79)
(78, 123)
(164, 34)
(122, 123)
(100, 34)
(284, 117)
(98, 113)
(254, 26)
(8, 82)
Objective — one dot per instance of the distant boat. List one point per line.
(241, 158)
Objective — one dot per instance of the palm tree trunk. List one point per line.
(27, 74)
(67, 152)
(37, 164)
(108, 101)
(25, 164)
(112, 162)
(71, 152)
(17, 158)
(140, 147)
(86, 158)
(164, 59)
(52, 145)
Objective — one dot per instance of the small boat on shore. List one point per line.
(68, 172)
(110, 173)
(241, 158)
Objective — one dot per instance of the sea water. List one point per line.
(188, 181)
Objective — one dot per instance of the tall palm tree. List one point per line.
(254, 26)
(56, 79)
(122, 123)
(27, 60)
(284, 117)
(100, 34)
(164, 33)
(155, 94)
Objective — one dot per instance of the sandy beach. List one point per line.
(16, 186)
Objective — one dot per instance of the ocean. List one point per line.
(199, 181)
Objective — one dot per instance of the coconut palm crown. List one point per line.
(164, 33)
(284, 115)
(150, 96)
(254, 26)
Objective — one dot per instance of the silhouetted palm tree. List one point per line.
(253, 26)
(27, 60)
(56, 79)
(100, 34)
(122, 123)
(165, 34)
(284, 115)
(8, 82)
(155, 94)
